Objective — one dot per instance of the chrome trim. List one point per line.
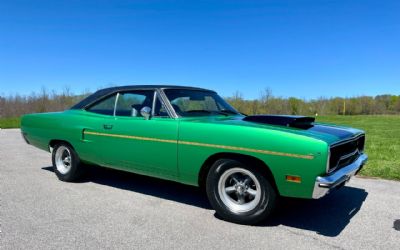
(115, 104)
(354, 138)
(328, 160)
(332, 169)
(146, 112)
(153, 105)
(323, 184)
(163, 103)
(168, 106)
(349, 154)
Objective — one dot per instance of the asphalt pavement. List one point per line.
(111, 209)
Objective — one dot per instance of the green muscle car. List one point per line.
(191, 135)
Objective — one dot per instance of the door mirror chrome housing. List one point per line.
(146, 112)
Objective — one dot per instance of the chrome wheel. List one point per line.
(63, 160)
(239, 190)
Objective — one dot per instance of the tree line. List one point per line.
(48, 101)
(44, 101)
(267, 103)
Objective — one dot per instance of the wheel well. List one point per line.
(53, 143)
(238, 157)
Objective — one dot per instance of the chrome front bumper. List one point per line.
(325, 183)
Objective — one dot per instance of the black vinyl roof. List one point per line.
(108, 91)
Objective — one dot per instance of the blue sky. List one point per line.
(305, 49)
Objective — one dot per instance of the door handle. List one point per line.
(107, 126)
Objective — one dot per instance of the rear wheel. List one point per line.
(239, 193)
(66, 163)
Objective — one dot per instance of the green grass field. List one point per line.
(10, 122)
(382, 145)
(382, 142)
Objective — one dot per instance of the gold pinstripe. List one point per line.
(261, 151)
(131, 137)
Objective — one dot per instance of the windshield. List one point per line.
(187, 102)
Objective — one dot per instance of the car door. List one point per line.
(146, 146)
(99, 120)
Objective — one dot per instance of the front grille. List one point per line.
(345, 152)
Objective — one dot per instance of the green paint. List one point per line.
(176, 149)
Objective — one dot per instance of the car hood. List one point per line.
(329, 133)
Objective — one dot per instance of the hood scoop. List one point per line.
(295, 121)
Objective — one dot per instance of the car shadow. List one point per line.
(163, 189)
(327, 216)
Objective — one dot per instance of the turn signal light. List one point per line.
(293, 178)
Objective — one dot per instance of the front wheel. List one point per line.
(66, 163)
(239, 193)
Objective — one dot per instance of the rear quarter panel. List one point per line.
(41, 128)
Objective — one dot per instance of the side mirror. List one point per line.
(146, 112)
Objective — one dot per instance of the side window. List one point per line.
(130, 103)
(104, 107)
